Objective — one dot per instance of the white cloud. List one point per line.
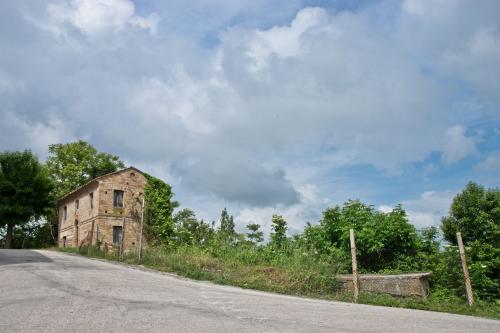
(457, 145)
(426, 210)
(94, 17)
(267, 109)
(491, 164)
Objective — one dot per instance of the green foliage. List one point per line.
(475, 212)
(188, 230)
(33, 235)
(226, 223)
(278, 234)
(71, 165)
(255, 236)
(159, 224)
(24, 190)
(381, 238)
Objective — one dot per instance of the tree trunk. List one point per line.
(8, 237)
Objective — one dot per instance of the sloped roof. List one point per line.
(97, 178)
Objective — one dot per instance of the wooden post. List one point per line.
(354, 266)
(123, 237)
(142, 228)
(468, 287)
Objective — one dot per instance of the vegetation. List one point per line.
(303, 264)
(24, 191)
(159, 223)
(70, 165)
(306, 264)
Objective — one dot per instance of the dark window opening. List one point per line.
(77, 204)
(117, 234)
(117, 198)
(65, 212)
(91, 198)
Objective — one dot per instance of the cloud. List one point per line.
(426, 210)
(491, 164)
(307, 209)
(457, 145)
(94, 17)
(275, 102)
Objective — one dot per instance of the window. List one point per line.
(117, 234)
(91, 199)
(117, 198)
(77, 204)
(65, 212)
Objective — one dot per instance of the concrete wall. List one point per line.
(402, 285)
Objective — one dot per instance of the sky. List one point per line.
(265, 107)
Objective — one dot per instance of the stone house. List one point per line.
(106, 211)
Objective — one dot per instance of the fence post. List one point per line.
(468, 287)
(142, 230)
(354, 266)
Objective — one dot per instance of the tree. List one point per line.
(381, 238)
(226, 223)
(159, 223)
(189, 230)
(278, 234)
(255, 235)
(73, 164)
(24, 190)
(475, 212)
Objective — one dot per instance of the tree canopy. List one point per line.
(24, 190)
(475, 212)
(71, 165)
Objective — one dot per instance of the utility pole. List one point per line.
(142, 228)
(468, 286)
(355, 281)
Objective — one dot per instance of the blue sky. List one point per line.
(265, 106)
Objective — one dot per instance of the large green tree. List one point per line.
(475, 212)
(25, 190)
(381, 238)
(71, 165)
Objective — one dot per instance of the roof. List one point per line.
(96, 179)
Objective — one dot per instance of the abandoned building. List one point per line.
(105, 211)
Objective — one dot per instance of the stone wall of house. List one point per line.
(401, 285)
(77, 214)
(86, 226)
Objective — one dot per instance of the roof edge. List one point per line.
(96, 179)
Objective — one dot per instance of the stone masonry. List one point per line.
(90, 213)
(401, 285)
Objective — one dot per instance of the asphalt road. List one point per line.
(44, 291)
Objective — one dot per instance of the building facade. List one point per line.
(106, 211)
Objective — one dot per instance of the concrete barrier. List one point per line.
(402, 285)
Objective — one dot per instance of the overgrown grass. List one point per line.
(298, 274)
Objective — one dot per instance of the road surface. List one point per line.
(45, 291)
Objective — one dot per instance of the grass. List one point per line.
(297, 275)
